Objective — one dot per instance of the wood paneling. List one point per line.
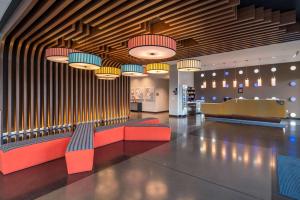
(37, 94)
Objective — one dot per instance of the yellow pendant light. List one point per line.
(108, 72)
(158, 68)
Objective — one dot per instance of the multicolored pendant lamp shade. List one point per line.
(108, 72)
(132, 70)
(189, 65)
(85, 61)
(60, 55)
(152, 46)
(157, 68)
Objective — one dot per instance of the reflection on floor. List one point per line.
(204, 160)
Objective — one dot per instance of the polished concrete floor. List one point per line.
(204, 160)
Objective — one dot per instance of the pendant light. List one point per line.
(105, 72)
(247, 83)
(189, 65)
(259, 80)
(132, 70)
(152, 46)
(158, 68)
(214, 84)
(87, 61)
(273, 79)
(60, 55)
(234, 82)
(204, 84)
(224, 84)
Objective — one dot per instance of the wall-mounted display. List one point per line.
(149, 94)
(139, 93)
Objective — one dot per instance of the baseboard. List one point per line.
(246, 122)
(178, 116)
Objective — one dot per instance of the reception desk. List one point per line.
(259, 110)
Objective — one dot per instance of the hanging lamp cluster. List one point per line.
(148, 46)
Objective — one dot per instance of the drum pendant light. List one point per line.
(60, 55)
(132, 70)
(108, 72)
(152, 46)
(157, 68)
(85, 61)
(189, 65)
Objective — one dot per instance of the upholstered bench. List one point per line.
(149, 120)
(80, 151)
(147, 132)
(105, 135)
(27, 153)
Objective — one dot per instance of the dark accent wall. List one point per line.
(282, 89)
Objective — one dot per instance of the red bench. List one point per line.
(27, 153)
(147, 132)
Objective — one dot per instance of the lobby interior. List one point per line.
(150, 99)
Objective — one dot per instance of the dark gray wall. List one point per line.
(282, 90)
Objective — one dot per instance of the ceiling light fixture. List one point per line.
(152, 46)
(157, 68)
(105, 72)
(60, 55)
(132, 70)
(189, 65)
(85, 61)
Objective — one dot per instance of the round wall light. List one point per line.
(293, 99)
(273, 69)
(293, 115)
(241, 72)
(202, 75)
(226, 73)
(214, 98)
(292, 83)
(214, 74)
(293, 68)
(256, 71)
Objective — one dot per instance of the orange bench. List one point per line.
(27, 153)
(147, 132)
(80, 151)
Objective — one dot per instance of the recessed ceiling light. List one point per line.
(273, 69)
(293, 68)
(241, 72)
(256, 71)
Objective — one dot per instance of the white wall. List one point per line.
(177, 79)
(161, 88)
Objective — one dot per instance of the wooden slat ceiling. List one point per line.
(200, 27)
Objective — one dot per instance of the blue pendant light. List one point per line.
(85, 61)
(132, 70)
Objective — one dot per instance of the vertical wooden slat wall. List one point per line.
(56, 95)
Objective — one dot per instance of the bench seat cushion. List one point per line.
(149, 120)
(105, 135)
(80, 151)
(147, 132)
(23, 154)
